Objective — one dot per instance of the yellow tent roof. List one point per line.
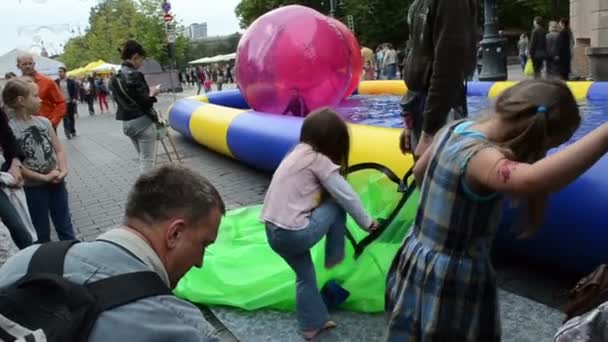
(86, 69)
(76, 72)
(93, 65)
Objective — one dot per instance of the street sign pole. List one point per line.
(171, 38)
(171, 50)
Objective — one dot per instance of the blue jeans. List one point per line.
(523, 59)
(390, 72)
(53, 199)
(294, 246)
(11, 219)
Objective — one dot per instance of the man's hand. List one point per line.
(405, 141)
(154, 91)
(425, 141)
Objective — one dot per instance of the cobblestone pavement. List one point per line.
(103, 166)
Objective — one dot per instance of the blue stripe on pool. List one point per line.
(180, 115)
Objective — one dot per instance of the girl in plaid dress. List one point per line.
(441, 286)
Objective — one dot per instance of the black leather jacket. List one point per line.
(138, 102)
(443, 38)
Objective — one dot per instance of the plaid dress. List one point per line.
(441, 286)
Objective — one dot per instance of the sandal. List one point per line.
(311, 334)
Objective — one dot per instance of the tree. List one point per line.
(376, 21)
(114, 21)
(212, 47)
(379, 21)
(518, 14)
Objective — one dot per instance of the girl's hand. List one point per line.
(15, 171)
(373, 226)
(61, 177)
(425, 141)
(51, 176)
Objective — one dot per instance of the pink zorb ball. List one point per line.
(293, 60)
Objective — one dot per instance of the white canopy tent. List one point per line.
(215, 59)
(44, 65)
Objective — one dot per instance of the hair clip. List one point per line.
(541, 109)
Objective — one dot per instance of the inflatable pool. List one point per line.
(573, 237)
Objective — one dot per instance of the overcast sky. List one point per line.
(27, 23)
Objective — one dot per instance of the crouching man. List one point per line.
(172, 215)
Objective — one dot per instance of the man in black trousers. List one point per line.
(69, 88)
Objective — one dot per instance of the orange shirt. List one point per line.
(53, 104)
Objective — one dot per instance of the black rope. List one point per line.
(404, 188)
(366, 166)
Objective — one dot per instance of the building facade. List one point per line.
(589, 22)
(197, 31)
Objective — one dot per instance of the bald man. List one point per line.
(53, 104)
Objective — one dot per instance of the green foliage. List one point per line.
(376, 21)
(518, 14)
(114, 21)
(211, 47)
(379, 21)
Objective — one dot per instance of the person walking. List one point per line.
(538, 47)
(522, 46)
(69, 89)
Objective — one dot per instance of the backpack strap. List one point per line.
(49, 257)
(122, 289)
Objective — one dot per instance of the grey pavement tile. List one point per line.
(523, 320)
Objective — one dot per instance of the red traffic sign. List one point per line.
(167, 18)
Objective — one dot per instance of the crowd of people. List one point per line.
(551, 51)
(384, 64)
(90, 89)
(203, 77)
(441, 285)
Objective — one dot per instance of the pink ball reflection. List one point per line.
(293, 60)
(356, 61)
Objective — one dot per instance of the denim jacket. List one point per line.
(160, 318)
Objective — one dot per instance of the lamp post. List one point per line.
(332, 8)
(494, 67)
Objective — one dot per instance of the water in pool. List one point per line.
(383, 110)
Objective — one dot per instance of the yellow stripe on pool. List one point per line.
(374, 144)
(209, 126)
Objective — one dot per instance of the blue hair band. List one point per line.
(542, 109)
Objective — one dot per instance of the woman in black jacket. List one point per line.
(9, 216)
(135, 102)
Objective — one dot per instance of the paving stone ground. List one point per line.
(103, 166)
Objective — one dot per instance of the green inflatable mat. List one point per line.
(241, 270)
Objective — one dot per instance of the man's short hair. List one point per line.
(24, 55)
(171, 190)
(538, 20)
(62, 69)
